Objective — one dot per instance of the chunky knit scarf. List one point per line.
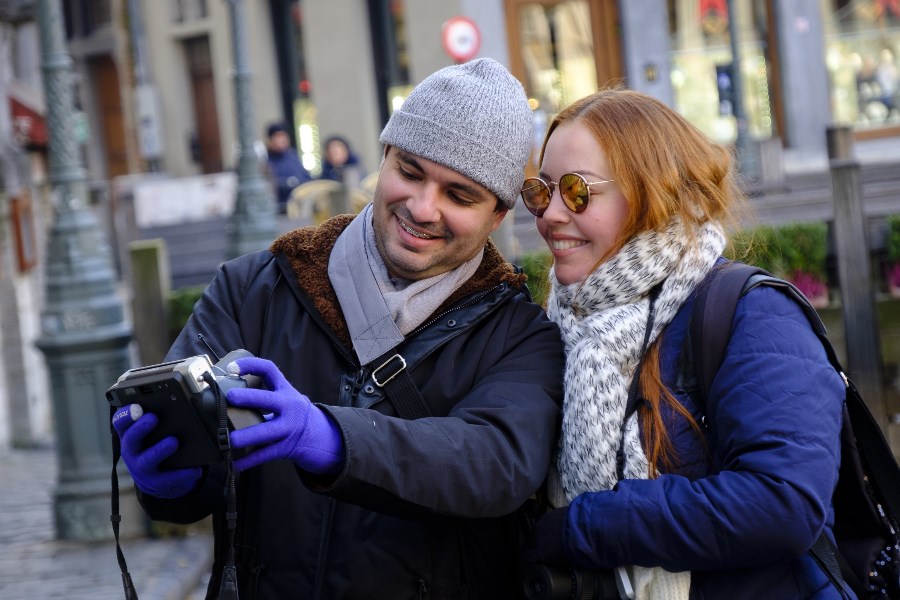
(603, 321)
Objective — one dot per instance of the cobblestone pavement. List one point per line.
(35, 565)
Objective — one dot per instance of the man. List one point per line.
(353, 488)
(285, 168)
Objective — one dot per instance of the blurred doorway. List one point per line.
(208, 145)
(105, 78)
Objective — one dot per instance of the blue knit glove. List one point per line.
(132, 425)
(297, 429)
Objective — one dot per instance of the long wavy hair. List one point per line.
(665, 167)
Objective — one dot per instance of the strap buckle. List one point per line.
(223, 439)
(396, 361)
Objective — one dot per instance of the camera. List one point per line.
(545, 582)
(188, 397)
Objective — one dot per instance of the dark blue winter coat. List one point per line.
(287, 173)
(420, 509)
(742, 520)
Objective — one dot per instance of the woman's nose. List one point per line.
(556, 211)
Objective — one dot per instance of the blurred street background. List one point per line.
(136, 156)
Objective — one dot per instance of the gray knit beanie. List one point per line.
(473, 118)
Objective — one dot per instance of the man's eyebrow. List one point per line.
(408, 159)
(470, 190)
(466, 188)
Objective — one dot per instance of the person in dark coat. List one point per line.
(285, 168)
(340, 163)
(682, 499)
(345, 492)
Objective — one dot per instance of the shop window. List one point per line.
(188, 10)
(701, 56)
(305, 116)
(562, 51)
(862, 42)
(83, 17)
(557, 53)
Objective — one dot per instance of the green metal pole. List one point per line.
(84, 336)
(749, 164)
(252, 225)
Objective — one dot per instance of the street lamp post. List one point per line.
(746, 158)
(252, 225)
(84, 336)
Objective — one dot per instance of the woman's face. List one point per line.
(578, 240)
(336, 152)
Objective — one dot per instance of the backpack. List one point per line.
(867, 496)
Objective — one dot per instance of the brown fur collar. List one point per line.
(307, 249)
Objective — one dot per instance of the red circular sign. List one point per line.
(461, 38)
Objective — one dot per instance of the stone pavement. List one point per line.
(33, 564)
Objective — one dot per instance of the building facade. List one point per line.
(804, 64)
(153, 82)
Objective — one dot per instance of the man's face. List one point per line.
(279, 141)
(428, 218)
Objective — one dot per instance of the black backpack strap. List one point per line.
(634, 399)
(829, 559)
(714, 306)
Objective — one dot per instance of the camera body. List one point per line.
(187, 397)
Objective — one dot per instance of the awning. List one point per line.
(27, 109)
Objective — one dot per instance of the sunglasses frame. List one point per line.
(549, 188)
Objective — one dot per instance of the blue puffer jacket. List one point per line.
(742, 519)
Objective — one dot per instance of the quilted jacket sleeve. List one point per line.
(774, 413)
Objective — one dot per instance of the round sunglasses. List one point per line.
(574, 189)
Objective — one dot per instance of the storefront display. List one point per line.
(862, 41)
(701, 53)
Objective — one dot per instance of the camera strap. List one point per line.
(115, 517)
(228, 585)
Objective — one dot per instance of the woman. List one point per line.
(340, 163)
(721, 501)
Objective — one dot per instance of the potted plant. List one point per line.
(803, 248)
(892, 247)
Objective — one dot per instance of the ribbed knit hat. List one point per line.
(473, 118)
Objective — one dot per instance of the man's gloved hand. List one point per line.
(298, 430)
(132, 426)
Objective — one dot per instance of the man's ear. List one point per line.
(499, 214)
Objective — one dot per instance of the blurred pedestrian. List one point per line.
(340, 163)
(285, 168)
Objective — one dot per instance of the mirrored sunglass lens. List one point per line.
(574, 191)
(534, 194)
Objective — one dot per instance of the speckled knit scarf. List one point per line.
(603, 322)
